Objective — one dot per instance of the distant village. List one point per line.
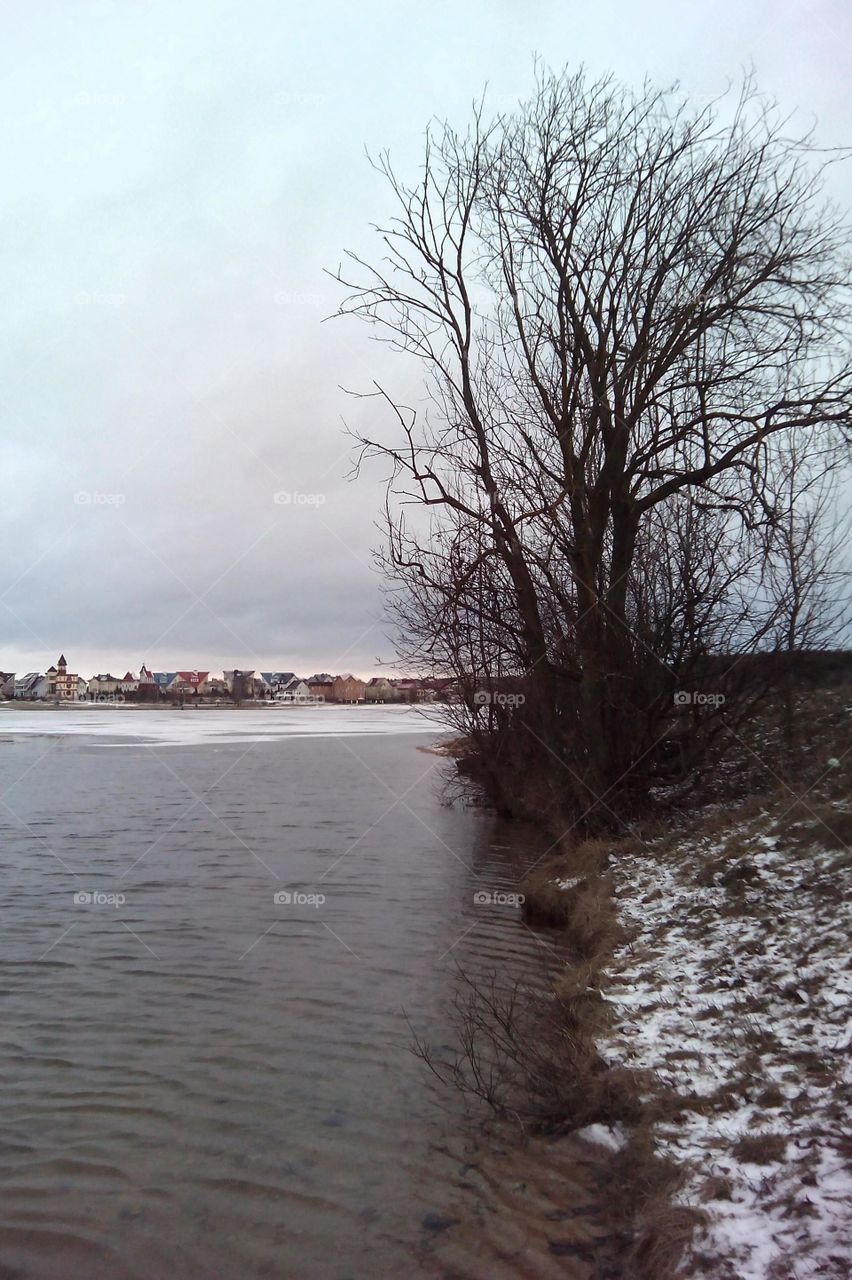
(59, 685)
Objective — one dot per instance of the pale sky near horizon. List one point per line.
(176, 180)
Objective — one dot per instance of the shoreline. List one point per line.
(710, 984)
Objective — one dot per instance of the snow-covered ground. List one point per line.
(733, 988)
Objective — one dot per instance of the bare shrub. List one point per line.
(531, 1058)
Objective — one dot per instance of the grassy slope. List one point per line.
(721, 945)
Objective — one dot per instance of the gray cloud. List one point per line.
(179, 178)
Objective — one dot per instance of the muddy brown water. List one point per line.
(197, 1080)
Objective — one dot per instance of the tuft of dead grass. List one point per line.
(585, 911)
(544, 902)
(760, 1148)
(717, 1187)
(585, 908)
(593, 923)
(644, 1184)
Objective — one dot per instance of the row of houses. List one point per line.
(57, 684)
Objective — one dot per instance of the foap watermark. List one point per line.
(691, 698)
(97, 898)
(295, 298)
(93, 498)
(696, 295)
(98, 298)
(296, 898)
(482, 698)
(293, 498)
(505, 101)
(297, 98)
(497, 898)
(93, 98)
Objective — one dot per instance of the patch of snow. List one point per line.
(568, 884)
(611, 1137)
(736, 996)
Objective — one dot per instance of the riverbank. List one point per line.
(730, 995)
(712, 952)
(542, 1210)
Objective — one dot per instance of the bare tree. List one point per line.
(624, 308)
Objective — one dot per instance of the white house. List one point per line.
(294, 690)
(104, 685)
(31, 686)
(380, 689)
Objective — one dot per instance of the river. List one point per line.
(216, 924)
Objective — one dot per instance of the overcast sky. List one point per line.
(176, 178)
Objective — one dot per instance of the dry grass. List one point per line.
(585, 909)
(593, 923)
(544, 902)
(806, 824)
(760, 1148)
(717, 1187)
(642, 1186)
(756, 996)
(639, 1185)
